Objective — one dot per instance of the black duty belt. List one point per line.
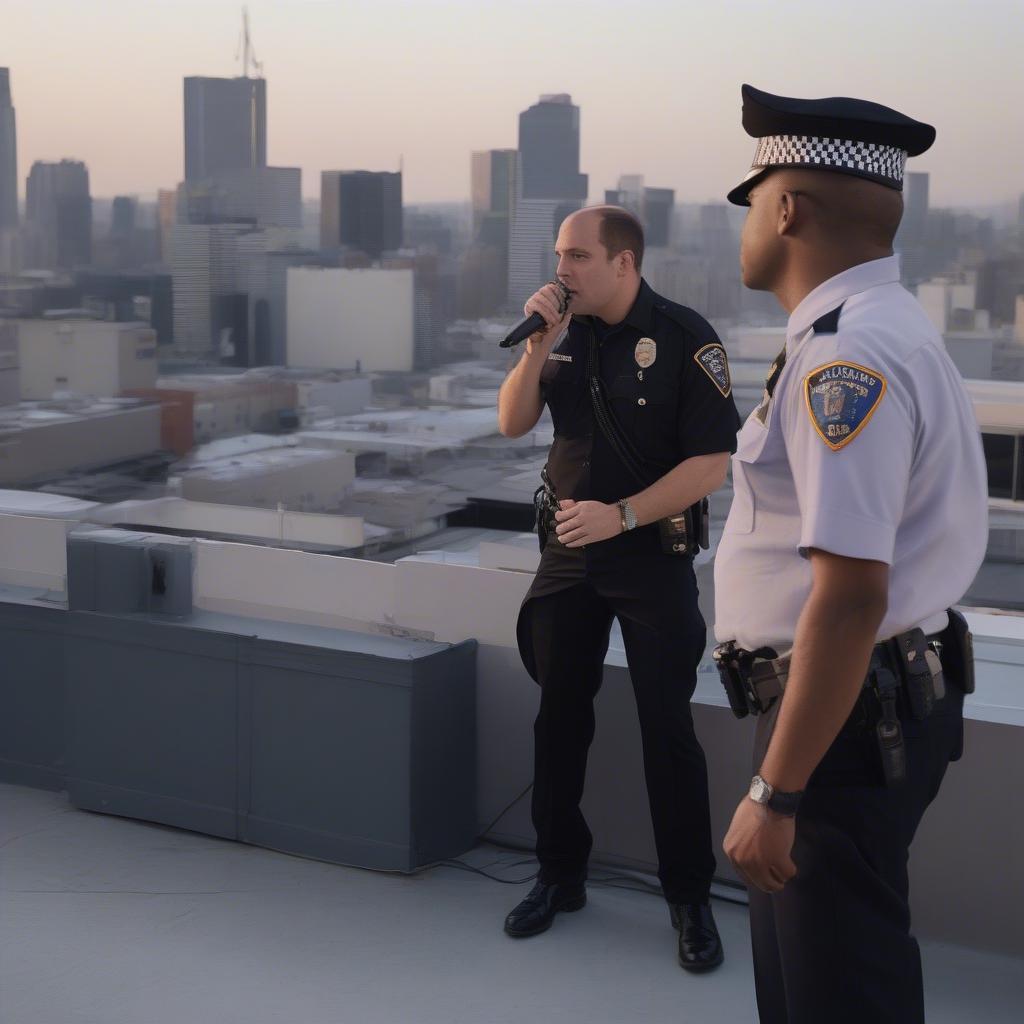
(755, 680)
(904, 671)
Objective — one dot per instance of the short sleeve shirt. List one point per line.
(867, 448)
(666, 377)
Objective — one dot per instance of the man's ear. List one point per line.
(788, 212)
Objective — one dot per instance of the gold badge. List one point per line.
(646, 352)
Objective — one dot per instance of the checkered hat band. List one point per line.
(807, 150)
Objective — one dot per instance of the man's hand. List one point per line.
(546, 301)
(586, 522)
(759, 843)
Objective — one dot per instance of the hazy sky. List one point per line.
(359, 83)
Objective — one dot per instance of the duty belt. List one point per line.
(905, 672)
(754, 680)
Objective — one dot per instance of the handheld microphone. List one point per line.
(535, 322)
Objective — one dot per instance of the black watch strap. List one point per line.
(785, 803)
(768, 796)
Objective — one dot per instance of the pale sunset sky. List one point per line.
(361, 83)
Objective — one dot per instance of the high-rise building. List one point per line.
(531, 251)
(656, 215)
(225, 126)
(122, 216)
(8, 155)
(267, 197)
(361, 210)
(209, 315)
(58, 212)
(166, 218)
(653, 206)
(912, 240)
(549, 187)
(493, 175)
(434, 298)
(483, 278)
(549, 144)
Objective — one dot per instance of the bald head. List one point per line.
(617, 230)
(844, 209)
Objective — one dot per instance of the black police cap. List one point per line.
(838, 134)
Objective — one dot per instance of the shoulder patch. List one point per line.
(841, 397)
(713, 361)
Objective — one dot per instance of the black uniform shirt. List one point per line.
(672, 407)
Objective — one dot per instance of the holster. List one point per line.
(958, 650)
(545, 504)
(688, 531)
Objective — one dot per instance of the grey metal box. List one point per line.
(151, 721)
(363, 756)
(349, 747)
(32, 695)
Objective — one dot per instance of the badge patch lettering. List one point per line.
(841, 397)
(560, 357)
(646, 352)
(712, 360)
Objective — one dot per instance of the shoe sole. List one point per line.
(702, 968)
(566, 908)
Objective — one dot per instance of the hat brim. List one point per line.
(739, 196)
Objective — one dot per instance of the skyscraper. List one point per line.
(209, 305)
(493, 174)
(911, 238)
(652, 205)
(58, 211)
(656, 214)
(549, 143)
(8, 155)
(361, 210)
(225, 126)
(549, 188)
(483, 280)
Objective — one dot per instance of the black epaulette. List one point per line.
(829, 323)
(689, 319)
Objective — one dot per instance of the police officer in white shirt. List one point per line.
(859, 518)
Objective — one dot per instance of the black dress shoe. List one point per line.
(535, 914)
(700, 948)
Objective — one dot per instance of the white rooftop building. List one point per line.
(346, 319)
(84, 357)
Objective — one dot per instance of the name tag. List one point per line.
(560, 357)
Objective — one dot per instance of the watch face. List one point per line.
(760, 791)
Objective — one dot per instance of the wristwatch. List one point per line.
(767, 795)
(627, 515)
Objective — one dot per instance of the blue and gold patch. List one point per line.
(712, 360)
(841, 398)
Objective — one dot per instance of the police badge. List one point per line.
(841, 398)
(645, 353)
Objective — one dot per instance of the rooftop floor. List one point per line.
(106, 920)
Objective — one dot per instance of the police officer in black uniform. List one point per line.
(661, 376)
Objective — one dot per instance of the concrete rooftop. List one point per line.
(106, 920)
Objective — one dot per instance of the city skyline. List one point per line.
(658, 92)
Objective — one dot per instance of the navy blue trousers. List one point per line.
(563, 639)
(834, 947)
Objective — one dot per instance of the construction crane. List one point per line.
(246, 50)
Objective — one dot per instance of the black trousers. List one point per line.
(835, 945)
(563, 639)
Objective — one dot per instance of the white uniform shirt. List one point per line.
(868, 448)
